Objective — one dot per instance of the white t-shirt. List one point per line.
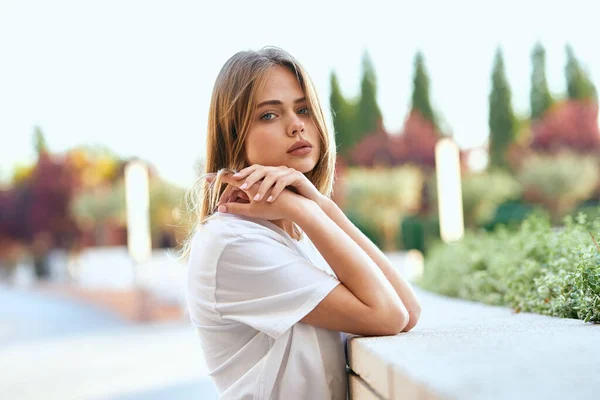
(249, 285)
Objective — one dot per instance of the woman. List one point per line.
(276, 271)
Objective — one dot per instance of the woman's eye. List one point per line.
(267, 116)
(303, 110)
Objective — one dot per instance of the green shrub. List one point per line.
(591, 210)
(537, 268)
(379, 197)
(511, 214)
(413, 234)
(482, 194)
(419, 232)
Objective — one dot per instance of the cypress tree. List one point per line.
(341, 112)
(368, 113)
(579, 85)
(39, 141)
(540, 97)
(502, 121)
(420, 95)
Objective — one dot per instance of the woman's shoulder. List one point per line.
(221, 229)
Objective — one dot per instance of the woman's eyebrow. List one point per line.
(279, 102)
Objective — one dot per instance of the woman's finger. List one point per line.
(210, 177)
(260, 173)
(225, 195)
(279, 187)
(246, 171)
(239, 198)
(242, 195)
(254, 177)
(268, 182)
(235, 208)
(230, 180)
(238, 195)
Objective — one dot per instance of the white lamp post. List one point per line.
(449, 190)
(139, 243)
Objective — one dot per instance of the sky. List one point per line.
(137, 75)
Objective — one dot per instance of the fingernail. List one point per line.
(236, 174)
(270, 199)
(222, 209)
(257, 197)
(244, 186)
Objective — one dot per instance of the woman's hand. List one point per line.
(275, 180)
(235, 200)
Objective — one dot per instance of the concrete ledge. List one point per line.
(360, 389)
(467, 350)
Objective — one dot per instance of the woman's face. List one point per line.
(280, 120)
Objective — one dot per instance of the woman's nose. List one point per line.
(296, 126)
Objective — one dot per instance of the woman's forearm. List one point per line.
(353, 267)
(401, 285)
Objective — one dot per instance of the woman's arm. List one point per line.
(401, 285)
(366, 303)
(275, 179)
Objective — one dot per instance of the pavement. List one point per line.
(60, 348)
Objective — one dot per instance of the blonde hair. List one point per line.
(229, 119)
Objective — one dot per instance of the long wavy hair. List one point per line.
(232, 105)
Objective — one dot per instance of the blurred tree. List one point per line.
(165, 200)
(559, 182)
(379, 198)
(502, 121)
(95, 208)
(342, 115)
(540, 97)
(46, 202)
(368, 114)
(579, 85)
(94, 165)
(39, 141)
(419, 138)
(416, 145)
(572, 124)
(376, 149)
(21, 173)
(13, 209)
(482, 193)
(99, 207)
(420, 95)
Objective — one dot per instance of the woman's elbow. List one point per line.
(414, 315)
(395, 321)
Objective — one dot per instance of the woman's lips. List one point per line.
(302, 151)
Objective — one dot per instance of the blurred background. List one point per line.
(86, 88)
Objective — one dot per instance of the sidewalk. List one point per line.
(27, 315)
(60, 348)
(130, 304)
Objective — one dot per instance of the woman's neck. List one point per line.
(286, 225)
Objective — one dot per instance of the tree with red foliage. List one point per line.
(374, 149)
(36, 212)
(572, 124)
(418, 140)
(49, 208)
(416, 145)
(40, 205)
(14, 203)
